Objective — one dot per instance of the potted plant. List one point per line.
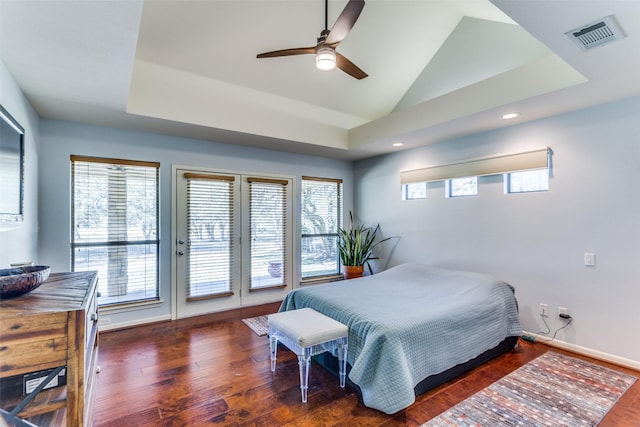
(355, 247)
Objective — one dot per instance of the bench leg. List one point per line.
(273, 345)
(342, 361)
(304, 360)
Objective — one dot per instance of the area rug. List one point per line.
(259, 325)
(551, 390)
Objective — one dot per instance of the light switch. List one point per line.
(590, 259)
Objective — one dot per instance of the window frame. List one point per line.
(323, 277)
(507, 177)
(406, 193)
(79, 161)
(193, 180)
(258, 185)
(449, 187)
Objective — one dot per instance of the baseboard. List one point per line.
(585, 351)
(219, 316)
(132, 323)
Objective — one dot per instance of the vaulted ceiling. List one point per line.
(437, 68)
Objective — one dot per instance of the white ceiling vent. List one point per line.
(597, 33)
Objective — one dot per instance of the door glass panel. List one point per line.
(268, 232)
(210, 231)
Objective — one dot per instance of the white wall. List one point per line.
(62, 139)
(18, 240)
(535, 241)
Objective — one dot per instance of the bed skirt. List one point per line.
(330, 362)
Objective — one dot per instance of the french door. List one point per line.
(232, 240)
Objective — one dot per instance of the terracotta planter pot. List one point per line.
(352, 271)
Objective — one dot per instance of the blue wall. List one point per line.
(61, 139)
(18, 240)
(535, 241)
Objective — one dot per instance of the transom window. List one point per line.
(460, 187)
(527, 181)
(414, 191)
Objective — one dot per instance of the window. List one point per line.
(320, 219)
(115, 226)
(527, 181)
(414, 190)
(459, 187)
(269, 228)
(210, 236)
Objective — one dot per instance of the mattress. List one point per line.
(412, 322)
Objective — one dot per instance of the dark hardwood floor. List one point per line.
(213, 370)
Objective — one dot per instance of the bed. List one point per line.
(413, 326)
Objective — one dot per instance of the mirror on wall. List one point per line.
(11, 168)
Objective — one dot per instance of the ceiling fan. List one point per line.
(325, 50)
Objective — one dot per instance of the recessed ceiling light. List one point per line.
(510, 116)
(398, 144)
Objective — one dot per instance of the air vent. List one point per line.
(597, 33)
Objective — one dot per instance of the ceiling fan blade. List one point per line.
(345, 21)
(288, 52)
(349, 67)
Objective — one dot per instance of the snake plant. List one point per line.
(356, 244)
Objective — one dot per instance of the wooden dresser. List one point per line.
(52, 326)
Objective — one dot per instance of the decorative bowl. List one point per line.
(20, 280)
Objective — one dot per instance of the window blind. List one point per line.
(268, 231)
(492, 165)
(210, 236)
(115, 226)
(320, 219)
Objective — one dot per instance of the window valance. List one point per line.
(490, 165)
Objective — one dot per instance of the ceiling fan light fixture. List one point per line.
(326, 59)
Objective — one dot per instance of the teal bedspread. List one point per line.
(410, 322)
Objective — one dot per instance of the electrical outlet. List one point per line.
(544, 310)
(563, 310)
(590, 259)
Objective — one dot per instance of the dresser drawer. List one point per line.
(91, 323)
(28, 342)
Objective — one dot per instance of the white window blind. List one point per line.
(491, 165)
(210, 236)
(320, 219)
(115, 226)
(268, 232)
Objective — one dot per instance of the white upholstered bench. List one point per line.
(307, 333)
